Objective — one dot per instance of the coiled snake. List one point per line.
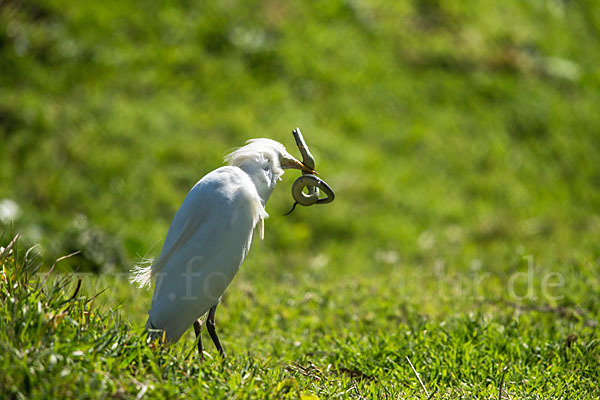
(313, 184)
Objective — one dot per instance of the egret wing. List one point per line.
(207, 242)
(196, 208)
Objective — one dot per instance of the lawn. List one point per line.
(462, 140)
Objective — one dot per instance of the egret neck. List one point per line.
(264, 176)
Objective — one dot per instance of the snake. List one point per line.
(312, 183)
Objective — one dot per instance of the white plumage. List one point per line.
(211, 235)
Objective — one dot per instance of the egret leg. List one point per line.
(197, 328)
(210, 326)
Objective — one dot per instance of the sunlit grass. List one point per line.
(348, 338)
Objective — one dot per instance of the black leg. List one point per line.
(197, 328)
(210, 326)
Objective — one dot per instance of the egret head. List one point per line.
(266, 154)
(264, 161)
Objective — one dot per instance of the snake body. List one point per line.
(308, 181)
(313, 184)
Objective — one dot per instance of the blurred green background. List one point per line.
(453, 131)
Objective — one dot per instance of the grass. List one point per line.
(462, 142)
(344, 339)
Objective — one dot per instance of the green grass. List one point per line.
(461, 139)
(345, 339)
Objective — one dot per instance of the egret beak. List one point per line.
(295, 164)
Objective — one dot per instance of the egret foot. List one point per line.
(197, 328)
(210, 326)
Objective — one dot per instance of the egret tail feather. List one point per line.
(141, 274)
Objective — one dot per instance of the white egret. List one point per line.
(209, 237)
